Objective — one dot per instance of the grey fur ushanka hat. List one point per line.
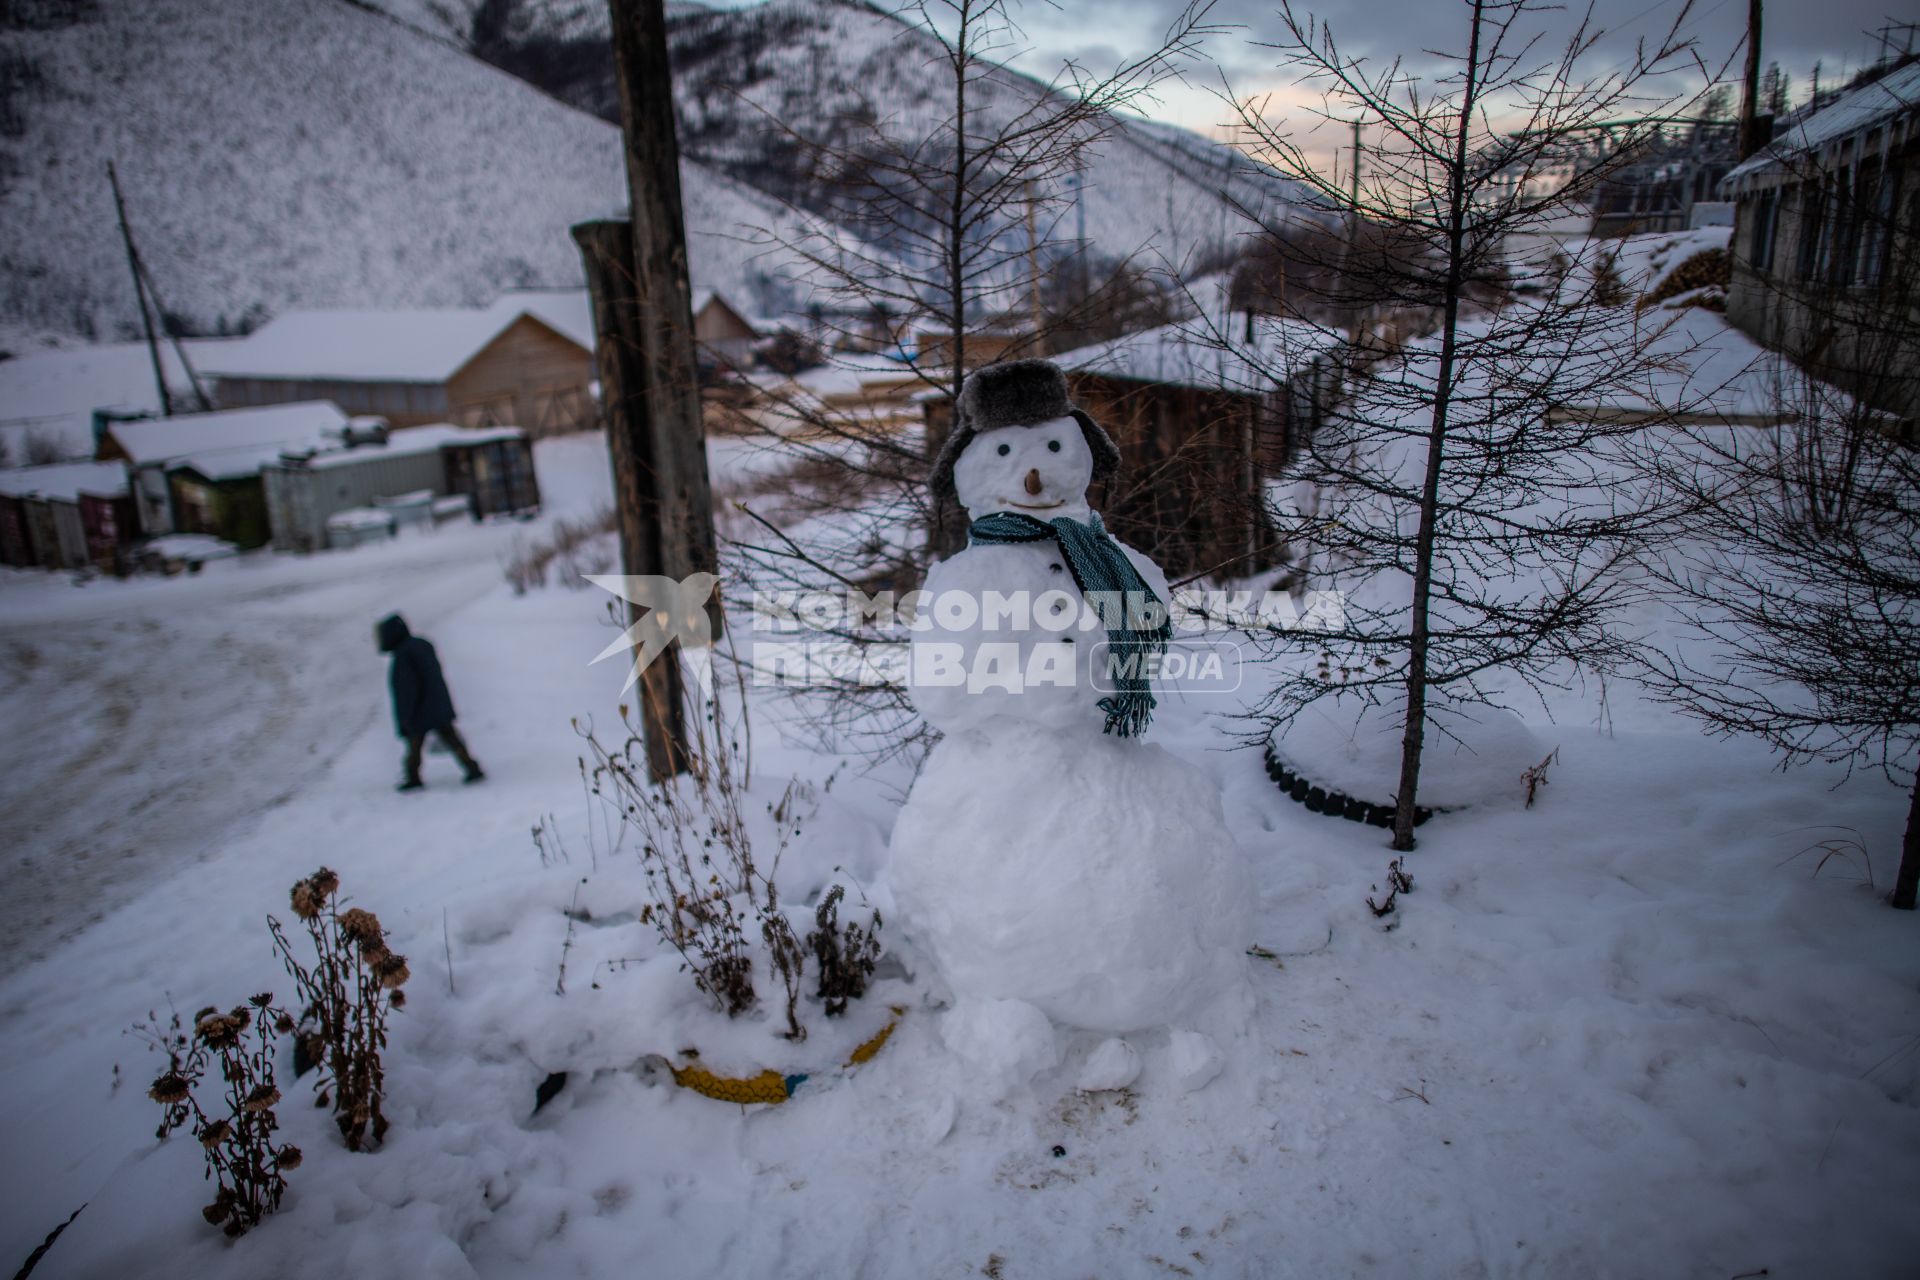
(1017, 393)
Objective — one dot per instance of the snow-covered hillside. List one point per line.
(746, 76)
(281, 153)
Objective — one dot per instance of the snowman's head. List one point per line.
(1042, 470)
(1019, 444)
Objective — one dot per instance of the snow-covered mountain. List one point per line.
(281, 153)
(818, 67)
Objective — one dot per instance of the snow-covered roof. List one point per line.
(65, 480)
(1884, 102)
(367, 344)
(411, 440)
(568, 312)
(231, 442)
(1192, 354)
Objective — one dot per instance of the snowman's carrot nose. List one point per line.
(1033, 482)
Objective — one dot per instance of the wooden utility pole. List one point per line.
(1039, 344)
(140, 293)
(1355, 179)
(1750, 140)
(643, 314)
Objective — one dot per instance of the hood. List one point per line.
(390, 631)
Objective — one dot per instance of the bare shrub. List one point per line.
(703, 883)
(42, 448)
(844, 953)
(236, 1130)
(572, 550)
(353, 982)
(525, 566)
(709, 887)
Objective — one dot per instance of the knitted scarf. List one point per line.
(1099, 565)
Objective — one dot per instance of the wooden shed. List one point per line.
(67, 516)
(522, 362)
(1201, 429)
(723, 334)
(200, 472)
(496, 472)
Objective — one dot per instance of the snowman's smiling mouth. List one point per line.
(1036, 506)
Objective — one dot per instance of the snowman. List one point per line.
(1059, 871)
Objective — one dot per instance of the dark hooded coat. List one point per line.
(421, 702)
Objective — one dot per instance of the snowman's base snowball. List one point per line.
(1092, 877)
(1114, 1065)
(1194, 1058)
(1008, 1042)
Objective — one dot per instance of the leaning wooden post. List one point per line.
(659, 404)
(606, 250)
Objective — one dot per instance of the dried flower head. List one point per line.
(398, 1000)
(306, 900)
(360, 925)
(169, 1089)
(289, 1158)
(392, 970)
(324, 882)
(372, 949)
(262, 1000)
(283, 1024)
(215, 1213)
(215, 1134)
(219, 1031)
(262, 1098)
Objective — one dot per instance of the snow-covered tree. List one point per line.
(1463, 495)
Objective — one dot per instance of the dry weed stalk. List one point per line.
(236, 1134)
(702, 879)
(846, 954)
(1535, 777)
(353, 982)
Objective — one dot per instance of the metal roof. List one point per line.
(1890, 99)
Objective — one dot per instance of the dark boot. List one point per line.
(410, 784)
(458, 745)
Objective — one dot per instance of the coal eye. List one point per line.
(1053, 446)
(1005, 449)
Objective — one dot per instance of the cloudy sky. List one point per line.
(1841, 35)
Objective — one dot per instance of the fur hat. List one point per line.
(1018, 393)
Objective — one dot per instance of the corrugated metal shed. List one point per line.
(302, 493)
(304, 489)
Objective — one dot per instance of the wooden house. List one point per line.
(74, 515)
(525, 361)
(722, 334)
(1202, 428)
(1827, 237)
(200, 473)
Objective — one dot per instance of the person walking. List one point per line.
(421, 703)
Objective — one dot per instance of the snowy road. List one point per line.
(149, 719)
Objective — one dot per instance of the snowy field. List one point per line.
(1627, 1032)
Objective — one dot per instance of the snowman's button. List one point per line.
(1068, 639)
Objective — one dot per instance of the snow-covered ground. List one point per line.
(1625, 1032)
